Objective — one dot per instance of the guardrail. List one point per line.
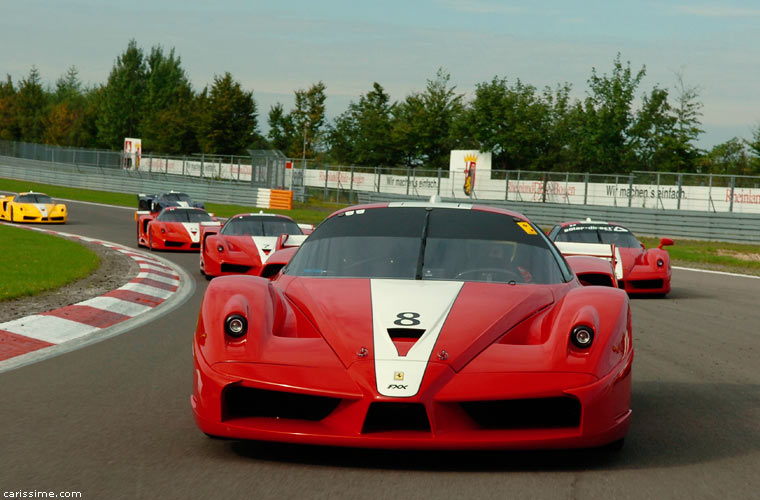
(735, 227)
(133, 182)
(723, 226)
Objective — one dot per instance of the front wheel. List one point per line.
(150, 241)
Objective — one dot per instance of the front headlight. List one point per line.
(235, 325)
(582, 336)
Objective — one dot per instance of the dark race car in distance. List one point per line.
(174, 228)
(645, 271)
(157, 202)
(246, 243)
(417, 325)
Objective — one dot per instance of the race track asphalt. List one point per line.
(113, 420)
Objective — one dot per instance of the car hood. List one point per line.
(256, 247)
(629, 257)
(404, 325)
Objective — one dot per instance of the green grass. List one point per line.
(34, 262)
(310, 213)
(718, 256)
(106, 197)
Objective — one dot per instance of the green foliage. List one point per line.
(362, 134)
(227, 117)
(9, 129)
(30, 102)
(168, 124)
(281, 128)
(618, 127)
(728, 158)
(122, 105)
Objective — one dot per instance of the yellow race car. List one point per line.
(32, 207)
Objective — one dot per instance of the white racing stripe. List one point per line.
(407, 304)
(193, 230)
(264, 243)
(42, 208)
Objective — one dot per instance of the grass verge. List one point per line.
(34, 262)
(310, 213)
(715, 255)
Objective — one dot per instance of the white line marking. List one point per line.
(112, 304)
(147, 290)
(708, 271)
(48, 328)
(160, 279)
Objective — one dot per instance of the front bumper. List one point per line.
(646, 282)
(314, 405)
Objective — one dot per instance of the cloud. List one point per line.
(717, 11)
(481, 7)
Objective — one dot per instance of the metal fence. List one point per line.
(741, 228)
(649, 190)
(259, 168)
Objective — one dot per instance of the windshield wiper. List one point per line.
(423, 244)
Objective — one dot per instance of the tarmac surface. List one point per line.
(113, 419)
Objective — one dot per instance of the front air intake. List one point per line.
(243, 402)
(542, 413)
(383, 417)
(235, 268)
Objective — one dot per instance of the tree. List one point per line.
(29, 107)
(512, 122)
(281, 129)
(167, 124)
(609, 117)
(688, 111)
(362, 134)
(728, 158)
(307, 118)
(122, 106)
(423, 124)
(653, 133)
(228, 117)
(9, 129)
(754, 149)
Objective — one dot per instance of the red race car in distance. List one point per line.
(174, 228)
(248, 244)
(417, 325)
(645, 271)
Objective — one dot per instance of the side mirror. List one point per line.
(665, 242)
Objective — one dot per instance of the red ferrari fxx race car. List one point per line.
(174, 228)
(246, 242)
(417, 325)
(645, 271)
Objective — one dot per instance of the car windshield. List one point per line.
(260, 226)
(34, 198)
(430, 244)
(184, 216)
(177, 197)
(607, 234)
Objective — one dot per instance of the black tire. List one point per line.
(150, 241)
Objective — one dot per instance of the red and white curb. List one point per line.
(39, 336)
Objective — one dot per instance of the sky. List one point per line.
(275, 48)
